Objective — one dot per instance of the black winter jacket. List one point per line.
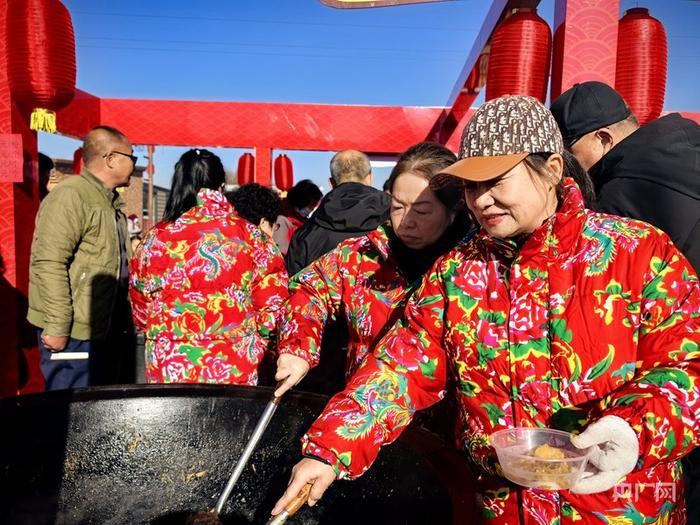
(654, 175)
(350, 210)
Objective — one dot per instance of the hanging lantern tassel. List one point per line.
(43, 120)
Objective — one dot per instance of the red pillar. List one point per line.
(263, 166)
(585, 43)
(18, 205)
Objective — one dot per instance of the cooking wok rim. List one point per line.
(191, 390)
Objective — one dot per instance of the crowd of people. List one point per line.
(544, 277)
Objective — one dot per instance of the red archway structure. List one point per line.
(585, 43)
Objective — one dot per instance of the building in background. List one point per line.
(160, 197)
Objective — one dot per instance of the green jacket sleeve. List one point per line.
(59, 229)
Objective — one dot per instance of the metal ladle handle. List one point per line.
(248, 451)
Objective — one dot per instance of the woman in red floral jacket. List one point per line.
(364, 282)
(552, 316)
(207, 287)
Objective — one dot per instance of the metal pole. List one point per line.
(150, 170)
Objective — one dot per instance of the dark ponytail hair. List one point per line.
(196, 169)
(572, 169)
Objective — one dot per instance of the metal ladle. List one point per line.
(212, 517)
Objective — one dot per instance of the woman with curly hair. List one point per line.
(257, 204)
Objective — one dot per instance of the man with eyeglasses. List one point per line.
(78, 282)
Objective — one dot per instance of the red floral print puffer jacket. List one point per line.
(208, 291)
(593, 315)
(358, 283)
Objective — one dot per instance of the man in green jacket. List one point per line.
(78, 276)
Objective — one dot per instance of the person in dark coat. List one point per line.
(352, 209)
(651, 173)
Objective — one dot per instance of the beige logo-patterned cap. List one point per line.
(501, 133)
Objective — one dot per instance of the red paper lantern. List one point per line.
(41, 64)
(78, 161)
(642, 56)
(284, 173)
(521, 50)
(246, 169)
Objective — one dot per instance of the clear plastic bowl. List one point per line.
(526, 461)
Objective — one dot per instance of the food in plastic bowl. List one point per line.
(540, 457)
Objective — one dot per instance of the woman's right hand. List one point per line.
(290, 370)
(308, 470)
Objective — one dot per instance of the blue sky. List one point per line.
(303, 51)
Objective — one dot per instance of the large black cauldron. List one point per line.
(152, 454)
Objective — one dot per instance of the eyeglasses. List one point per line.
(579, 138)
(133, 158)
(573, 142)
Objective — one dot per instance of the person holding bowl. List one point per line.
(551, 316)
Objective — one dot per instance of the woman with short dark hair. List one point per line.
(257, 204)
(301, 201)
